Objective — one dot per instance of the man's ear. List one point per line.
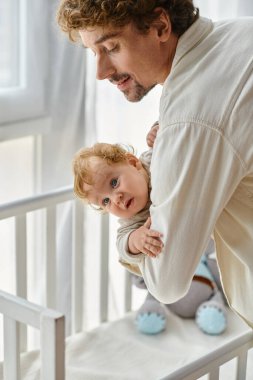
(134, 161)
(162, 24)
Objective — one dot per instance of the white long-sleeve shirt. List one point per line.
(202, 164)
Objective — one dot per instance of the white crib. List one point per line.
(113, 350)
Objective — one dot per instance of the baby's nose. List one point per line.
(117, 197)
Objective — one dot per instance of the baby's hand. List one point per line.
(145, 240)
(151, 136)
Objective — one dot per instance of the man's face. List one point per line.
(132, 61)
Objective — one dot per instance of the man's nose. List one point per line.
(105, 68)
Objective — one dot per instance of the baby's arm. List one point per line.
(134, 233)
(144, 240)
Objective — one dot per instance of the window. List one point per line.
(9, 59)
(22, 59)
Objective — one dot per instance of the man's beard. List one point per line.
(136, 94)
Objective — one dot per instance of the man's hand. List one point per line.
(151, 136)
(144, 240)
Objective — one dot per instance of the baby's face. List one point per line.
(120, 189)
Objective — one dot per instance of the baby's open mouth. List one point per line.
(128, 203)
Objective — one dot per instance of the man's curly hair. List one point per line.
(75, 15)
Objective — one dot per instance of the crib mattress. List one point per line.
(117, 351)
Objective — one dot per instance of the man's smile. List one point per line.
(120, 80)
(122, 85)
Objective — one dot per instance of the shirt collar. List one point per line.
(191, 38)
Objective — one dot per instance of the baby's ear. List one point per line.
(134, 161)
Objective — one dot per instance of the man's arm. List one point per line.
(194, 172)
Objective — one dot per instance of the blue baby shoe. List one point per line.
(150, 323)
(211, 319)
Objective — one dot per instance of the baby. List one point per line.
(113, 179)
(116, 181)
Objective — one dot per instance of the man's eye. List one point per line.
(114, 182)
(113, 49)
(105, 201)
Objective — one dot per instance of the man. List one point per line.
(133, 59)
(202, 164)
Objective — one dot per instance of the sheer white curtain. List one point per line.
(69, 112)
(65, 93)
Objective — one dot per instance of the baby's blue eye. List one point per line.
(105, 201)
(114, 182)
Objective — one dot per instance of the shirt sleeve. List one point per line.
(194, 172)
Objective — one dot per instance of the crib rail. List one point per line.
(25, 205)
(16, 310)
(211, 362)
(48, 202)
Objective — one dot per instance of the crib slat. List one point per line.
(11, 349)
(52, 348)
(21, 268)
(51, 274)
(128, 292)
(242, 365)
(20, 242)
(77, 267)
(214, 374)
(104, 267)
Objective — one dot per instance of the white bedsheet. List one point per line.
(117, 351)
